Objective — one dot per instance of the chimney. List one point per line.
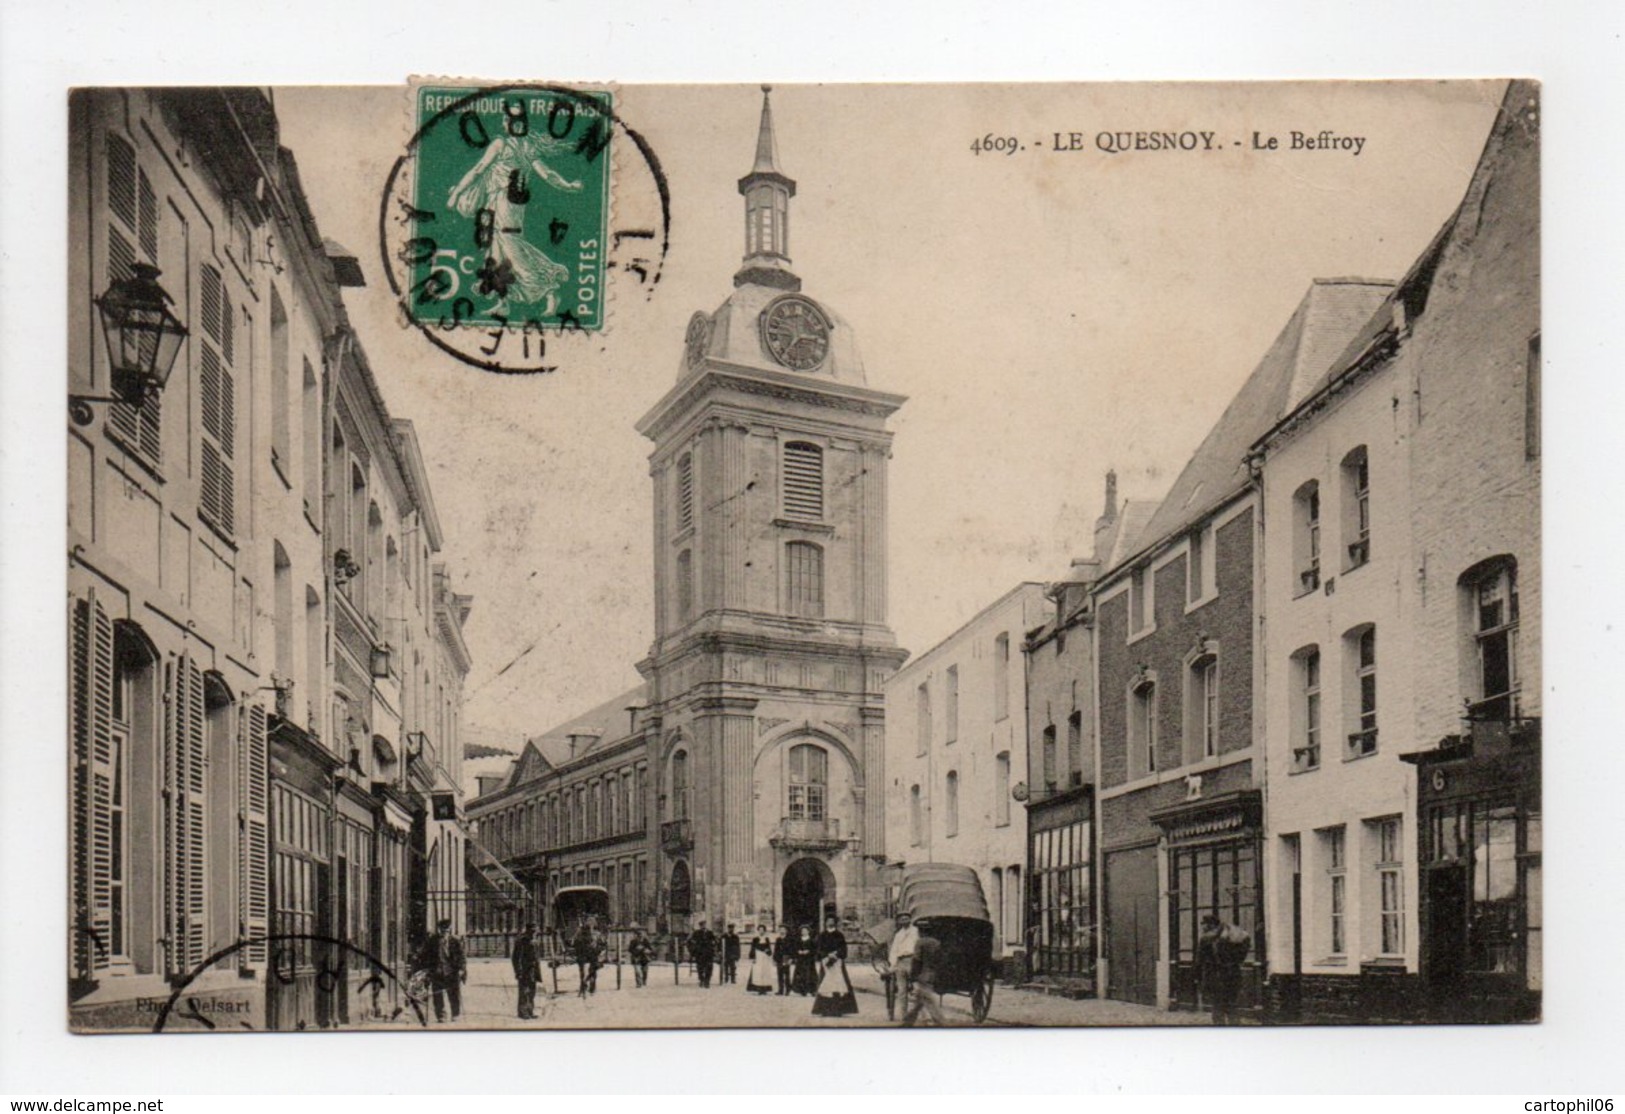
(1106, 524)
(581, 740)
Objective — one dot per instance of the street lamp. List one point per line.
(143, 339)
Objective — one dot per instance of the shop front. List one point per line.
(1478, 796)
(1061, 895)
(1213, 867)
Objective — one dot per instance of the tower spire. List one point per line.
(767, 191)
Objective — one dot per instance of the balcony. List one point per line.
(807, 835)
(677, 836)
(1362, 743)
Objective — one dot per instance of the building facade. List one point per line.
(956, 755)
(239, 820)
(771, 650)
(756, 744)
(1403, 655)
(1180, 790)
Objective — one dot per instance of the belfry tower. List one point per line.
(771, 647)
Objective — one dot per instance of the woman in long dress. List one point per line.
(835, 997)
(498, 183)
(763, 976)
(804, 956)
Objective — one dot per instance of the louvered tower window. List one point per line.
(803, 481)
(132, 237)
(217, 391)
(685, 491)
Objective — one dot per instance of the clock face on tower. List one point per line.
(795, 333)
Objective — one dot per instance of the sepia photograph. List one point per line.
(571, 556)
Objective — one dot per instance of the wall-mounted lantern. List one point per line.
(379, 659)
(143, 339)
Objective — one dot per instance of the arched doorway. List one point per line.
(681, 903)
(809, 893)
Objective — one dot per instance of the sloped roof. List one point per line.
(1327, 318)
(1132, 521)
(609, 719)
(529, 766)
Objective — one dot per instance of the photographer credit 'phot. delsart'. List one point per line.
(1069, 556)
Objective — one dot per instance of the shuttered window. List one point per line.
(95, 774)
(803, 481)
(253, 840)
(685, 492)
(132, 237)
(217, 498)
(185, 801)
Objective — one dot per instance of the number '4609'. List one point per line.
(995, 145)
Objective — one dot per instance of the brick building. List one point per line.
(1180, 803)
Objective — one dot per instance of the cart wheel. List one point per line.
(981, 999)
(891, 996)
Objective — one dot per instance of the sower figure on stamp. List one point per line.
(498, 183)
(443, 959)
(1220, 951)
(527, 970)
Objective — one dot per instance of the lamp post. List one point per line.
(143, 339)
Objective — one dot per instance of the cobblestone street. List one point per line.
(490, 1001)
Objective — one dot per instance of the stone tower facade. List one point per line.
(771, 647)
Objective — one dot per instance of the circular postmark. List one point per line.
(325, 961)
(515, 217)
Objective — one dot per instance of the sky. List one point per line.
(1049, 314)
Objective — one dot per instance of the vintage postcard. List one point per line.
(567, 555)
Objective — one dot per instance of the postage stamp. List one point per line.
(511, 199)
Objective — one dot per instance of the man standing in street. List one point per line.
(927, 969)
(702, 949)
(900, 957)
(442, 957)
(730, 955)
(1220, 951)
(527, 970)
(640, 953)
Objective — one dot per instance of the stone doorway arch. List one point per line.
(807, 894)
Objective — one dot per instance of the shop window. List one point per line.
(1202, 706)
(1306, 538)
(1306, 709)
(1491, 591)
(1356, 472)
(808, 782)
(804, 562)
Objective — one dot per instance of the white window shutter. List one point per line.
(254, 852)
(91, 689)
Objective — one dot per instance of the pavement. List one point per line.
(490, 1001)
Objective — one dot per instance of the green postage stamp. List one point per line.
(510, 208)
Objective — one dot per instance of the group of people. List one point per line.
(781, 963)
